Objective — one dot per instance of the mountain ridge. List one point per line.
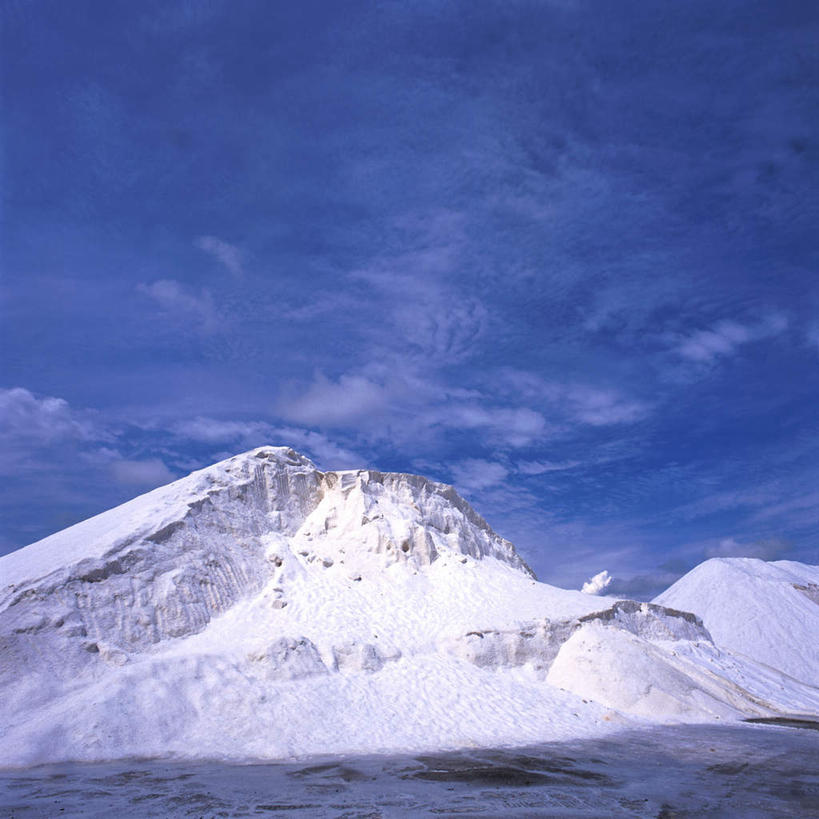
(41, 557)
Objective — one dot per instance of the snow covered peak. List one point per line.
(368, 518)
(254, 508)
(268, 488)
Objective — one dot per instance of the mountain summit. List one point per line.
(261, 608)
(162, 565)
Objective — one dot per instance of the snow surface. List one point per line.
(766, 611)
(263, 609)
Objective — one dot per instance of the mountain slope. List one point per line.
(766, 611)
(262, 608)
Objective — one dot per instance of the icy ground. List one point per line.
(262, 609)
(657, 772)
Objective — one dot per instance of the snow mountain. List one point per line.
(261, 608)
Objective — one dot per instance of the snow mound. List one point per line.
(618, 669)
(163, 565)
(289, 659)
(539, 643)
(768, 612)
(263, 609)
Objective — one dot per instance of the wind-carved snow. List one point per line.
(400, 518)
(262, 608)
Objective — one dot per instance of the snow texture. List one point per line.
(263, 609)
(768, 612)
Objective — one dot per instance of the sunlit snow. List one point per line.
(262, 609)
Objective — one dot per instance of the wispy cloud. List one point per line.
(544, 219)
(214, 430)
(542, 467)
(228, 255)
(725, 338)
(347, 401)
(397, 404)
(474, 474)
(765, 549)
(512, 426)
(643, 586)
(141, 474)
(182, 303)
(578, 403)
(789, 504)
(327, 453)
(432, 319)
(27, 418)
(603, 407)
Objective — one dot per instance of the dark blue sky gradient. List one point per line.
(563, 255)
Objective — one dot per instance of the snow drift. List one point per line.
(262, 609)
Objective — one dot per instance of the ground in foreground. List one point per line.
(666, 772)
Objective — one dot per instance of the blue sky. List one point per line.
(561, 254)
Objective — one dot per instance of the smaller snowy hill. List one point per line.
(767, 611)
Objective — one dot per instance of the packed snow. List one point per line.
(768, 612)
(263, 609)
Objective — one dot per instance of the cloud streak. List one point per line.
(475, 474)
(228, 255)
(180, 303)
(725, 338)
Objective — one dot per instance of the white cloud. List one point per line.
(149, 473)
(213, 430)
(796, 500)
(516, 427)
(438, 322)
(725, 337)
(176, 300)
(227, 254)
(764, 549)
(447, 329)
(327, 453)
(476, 474)
(393, 402)
(603, 407)
(577, 403)
(541, 467)
(597, 584)
(351, 399)
(23, 416)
